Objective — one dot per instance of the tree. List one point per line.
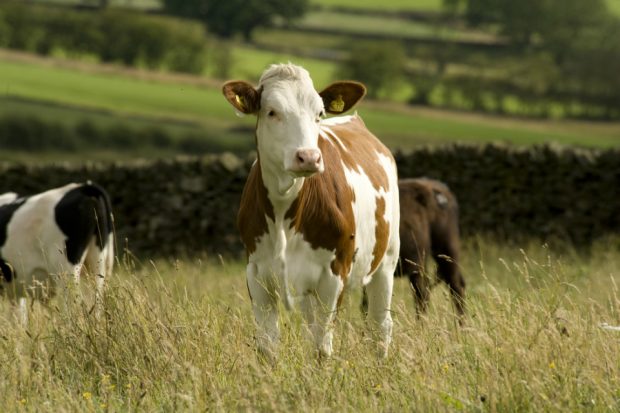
(379, 65)
(229, 17)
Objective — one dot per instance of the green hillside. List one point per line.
(68, 95)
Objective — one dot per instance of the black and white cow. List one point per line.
(47, 238)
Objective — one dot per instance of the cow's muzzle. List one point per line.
(307, 162)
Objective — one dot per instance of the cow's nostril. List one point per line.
(318, 158)
(300, 159)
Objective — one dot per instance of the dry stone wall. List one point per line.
(188, 205)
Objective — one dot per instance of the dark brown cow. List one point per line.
(429, 225)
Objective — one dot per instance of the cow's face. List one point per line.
(289, 112)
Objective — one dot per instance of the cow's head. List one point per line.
(289, 113)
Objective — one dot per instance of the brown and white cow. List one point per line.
(320, 207)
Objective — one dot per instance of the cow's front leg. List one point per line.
(264, 304)
(327, 293)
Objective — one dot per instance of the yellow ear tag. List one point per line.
(240, 101)
(337, 105)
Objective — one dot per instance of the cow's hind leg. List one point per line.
(379, 291)
(262, 291)
(99, 265)
(421, 290)
(446, 257)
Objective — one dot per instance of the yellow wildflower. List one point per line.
(87, 395)
(552, 365)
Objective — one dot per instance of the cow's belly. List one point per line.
(306, 266)
(35, 249)
(303, 265)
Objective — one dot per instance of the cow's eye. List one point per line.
(319, 116)
(271, 113)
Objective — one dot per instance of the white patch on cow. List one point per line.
(7, 198)
(330, 136)
(442, 200)
(392, 204)
(338, 120)
(283, 253)
(364, 206)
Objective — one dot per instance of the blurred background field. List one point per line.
(437, 72)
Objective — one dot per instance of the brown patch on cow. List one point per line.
(382, 233)
(323, 211)
(429, 227)
(362, 149)
(340, 97)
(242, 95)
(254, 209)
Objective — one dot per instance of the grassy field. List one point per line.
(391, 5)
(387, 26)
(408, 5)
(248, 64)
(178, 336)
(63, 92)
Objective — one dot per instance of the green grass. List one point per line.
(132, 4)
(614, 6)
(71, 114)
(178, 336)
(294, 41)
(66, 93)
(386, 26)
(409, 5)
(402, 129)
(110, 92)
(391, 5)
(249, 63)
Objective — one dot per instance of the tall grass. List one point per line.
(178, 336)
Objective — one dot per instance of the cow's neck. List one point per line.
(282, 187)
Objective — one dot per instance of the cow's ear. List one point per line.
(339, 97)
(242, 95)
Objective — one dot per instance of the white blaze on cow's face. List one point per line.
(288, 123)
